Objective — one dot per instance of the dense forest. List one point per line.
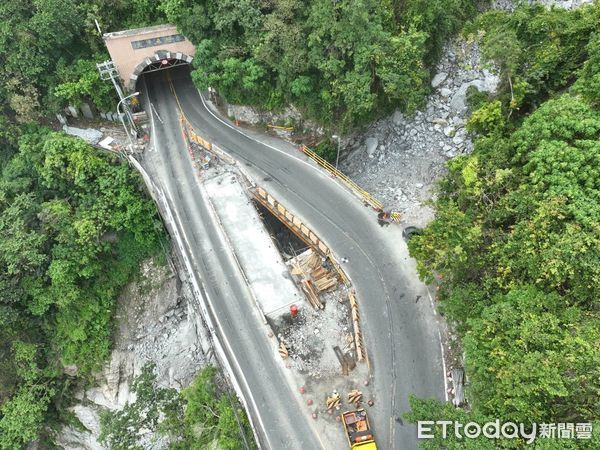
(513, 247)
(515, 242)
(74, 225)
(342, 63)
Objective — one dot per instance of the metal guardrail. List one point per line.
(360, 192)
(367, 197)
(278, 127)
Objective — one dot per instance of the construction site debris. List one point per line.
(345, 360)
(311, 295)
(312, 353)
(333, 401)
(360, 353)
(310, 267)
(283, 351)
(355, 397)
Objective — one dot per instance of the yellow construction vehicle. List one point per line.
(358, 430)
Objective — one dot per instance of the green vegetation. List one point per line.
(118, 429)
(343, 63)
(49, 48)
(327, 150)
(201, 416)
(539, 51)
(514, 244)
(74, 224)
(212, 417)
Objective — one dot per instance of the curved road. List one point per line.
(399, 325)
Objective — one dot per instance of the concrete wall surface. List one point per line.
(129, 48)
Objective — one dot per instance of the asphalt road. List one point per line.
(238, 322)
(398, 320)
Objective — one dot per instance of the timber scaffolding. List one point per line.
(310, 266)
(314, 277)
(297, 227)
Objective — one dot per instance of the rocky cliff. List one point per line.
(154, 322)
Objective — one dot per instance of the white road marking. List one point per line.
(317, 169)
(441, 348)
(152, 107)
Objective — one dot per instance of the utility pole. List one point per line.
(339, 142)
(108, 71)
(123, 122)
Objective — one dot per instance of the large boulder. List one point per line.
(398, 118)
(371, 144)
(489, 83)
(73, 438)
(438, 79)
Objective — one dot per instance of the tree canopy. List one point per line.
(203, 415)
(514, 243)
(74, 225)
(342, 63)
(49, 49)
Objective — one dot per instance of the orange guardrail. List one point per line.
(366, 196)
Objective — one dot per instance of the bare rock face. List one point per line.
(71, 438)
(406, 154)
(254, 116)
(489, 83)
(155, 322)
(509, 5)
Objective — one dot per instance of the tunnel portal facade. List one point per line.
(147, 49)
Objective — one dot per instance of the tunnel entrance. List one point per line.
(164, 63)
(147, 49)
(161, 60)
